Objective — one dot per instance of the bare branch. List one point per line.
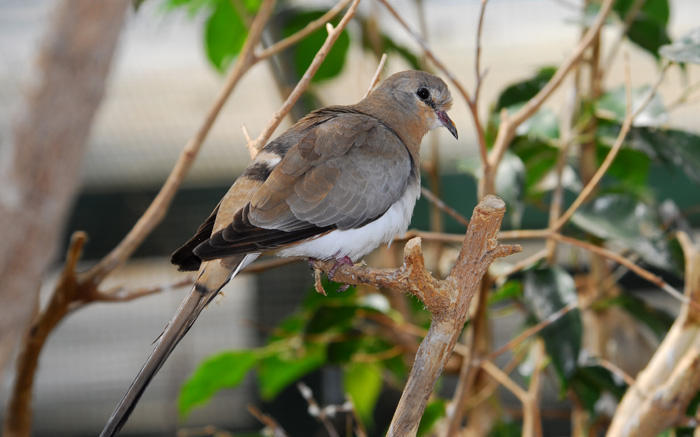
(377, 75)
(610, 157)
(510, 123)
(304, 32)
(269, 422)
(432, 198)
(303, 83)
(157, 209)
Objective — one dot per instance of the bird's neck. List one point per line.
(407, 123)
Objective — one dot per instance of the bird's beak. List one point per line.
(447, 122)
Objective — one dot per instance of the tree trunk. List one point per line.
(40, 169)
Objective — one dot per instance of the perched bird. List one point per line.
(337, 184)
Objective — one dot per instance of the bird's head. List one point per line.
(423, 95)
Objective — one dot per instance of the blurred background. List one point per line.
(159, 90)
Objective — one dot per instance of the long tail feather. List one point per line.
(212, 277)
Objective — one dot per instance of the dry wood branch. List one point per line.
(269, 422)
(377, 75)
(532, 422)
(510, 123)
(441, 205)
(448, 300)
(529, 332)
(610, 157)
(39, 172)
(333, 34)
(316, 411)
(304, 32)
(661, 393)
(157, 209)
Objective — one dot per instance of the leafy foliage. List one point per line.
(648, 27)
(686, 49)
(590, 383)
(621, 214)
(546, 291)
(630, 222)
(305, 50)
(363, 383)
(223, 370)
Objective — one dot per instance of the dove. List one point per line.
(337, 184)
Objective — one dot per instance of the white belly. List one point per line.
(356, 243)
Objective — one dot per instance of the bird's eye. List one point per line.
(423, 93)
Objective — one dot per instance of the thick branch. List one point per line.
(40, 172)
(659, 397)
(448, 300)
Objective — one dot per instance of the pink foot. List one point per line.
(339, 262)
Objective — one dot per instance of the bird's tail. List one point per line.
(213, 275)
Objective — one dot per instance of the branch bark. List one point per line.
(40, 176)
(448, 300)
(659, 397)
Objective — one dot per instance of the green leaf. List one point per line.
(192, 6)
(676, 147)
(307, 48)
(612, 105)
(544, 124)
(546, 291)
(591, 382)
(278, 371)
(648, 29)
(685, 49)
(434, 411)
(630, 222)
(224, 370)
(506, 429)
(509, 290)
(692, 409)
(540, 159)
(331, 318)
(523, 91)
(363, 383)
(224, 35)
(657, 320)
(630, 167)
(510, 185)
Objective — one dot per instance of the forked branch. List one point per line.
(447, 299)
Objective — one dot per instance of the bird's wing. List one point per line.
(342, 173)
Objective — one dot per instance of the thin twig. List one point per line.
(529, 332)
(524, 263)
(505, 380)
(631, 15)
(269, 422)
(479, 75)
(157, 209)
(532, 422)
(333, 34)
(377, 75)
(305, 31)
(118, 294)
(610, 157)
(315, 410)
(643, 273)
(613, 368)
(510, 123)
(441, 205)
